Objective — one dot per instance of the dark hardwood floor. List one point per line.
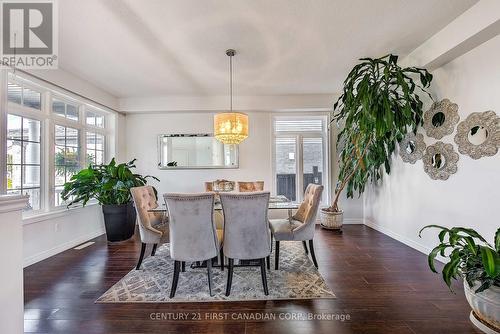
(383, 285)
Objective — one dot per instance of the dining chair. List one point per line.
(246, 231)
(218, 217)
(250, 186)
(151, 224)
(193, 236)
(209, 186)
(301, 226)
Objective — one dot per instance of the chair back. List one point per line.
(251, 186)
(209, 186)
(192, 231)
(307, 211)
(246, 225)
(144, 200)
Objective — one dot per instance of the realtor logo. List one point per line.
(29, 34)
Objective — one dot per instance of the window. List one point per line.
(23, 158)
(67, 110)
(299, 150)
(95, 148)
(66, 158)
(94, 119)
(23, 96)
(50, 136)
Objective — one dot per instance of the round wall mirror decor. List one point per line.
(440, 161)
(479, 135)
(441, 118)
(412, 147)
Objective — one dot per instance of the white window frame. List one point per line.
(48, 120)
(95, 150)
(299, 163)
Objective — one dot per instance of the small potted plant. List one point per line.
(110, 186)
(471, 257)
(379, 104)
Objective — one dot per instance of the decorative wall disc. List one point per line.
(479, 135)
(412, 147)
(440, 161)
(441, 118)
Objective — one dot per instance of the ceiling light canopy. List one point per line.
(231, 127)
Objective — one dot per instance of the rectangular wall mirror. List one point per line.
(195, 151)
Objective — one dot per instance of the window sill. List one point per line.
(56, 212)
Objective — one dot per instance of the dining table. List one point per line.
(279, 202)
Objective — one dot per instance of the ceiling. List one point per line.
(177, 47)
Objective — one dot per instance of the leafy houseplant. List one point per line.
(67, 162)
(110, 186)
(379, 104)
(470, 256)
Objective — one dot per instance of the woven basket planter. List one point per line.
(331, 220)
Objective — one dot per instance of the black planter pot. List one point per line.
(119, 221)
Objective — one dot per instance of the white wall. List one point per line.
(48, 235)
(255, 153)
(69, 81)
(143, 131)
(410, 199)
(54, 232)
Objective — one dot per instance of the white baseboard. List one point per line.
(353, 221)
(60, 248)
(411, 243)
(347, 221)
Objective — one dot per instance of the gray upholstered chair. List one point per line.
(151, 227)
(301, 226)
(193, 236)
(246, 231)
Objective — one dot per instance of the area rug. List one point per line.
(297, 278)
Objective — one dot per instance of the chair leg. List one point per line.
(264, 277)
(175, 280)
(229, 276)
(304, 243)
(153, 251)
(268, 262)
(183, 266)
(209, 272)
(143, 249)
(311, 248)
(221, 255)
(277, 255)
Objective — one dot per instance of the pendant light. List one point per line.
(231, 127)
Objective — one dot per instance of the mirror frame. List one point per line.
(420, 146)
(164, 167)
(491, 122)
(450, 157)
(451, 118)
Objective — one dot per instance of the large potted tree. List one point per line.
(472, 258)
(379, 104)
(110, 186)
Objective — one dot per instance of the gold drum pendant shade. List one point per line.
(231, 127)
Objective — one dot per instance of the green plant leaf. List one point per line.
(490, 261)
(433, 254)
(109, 184)
(497, 240)
(379, 104)
(449, 271)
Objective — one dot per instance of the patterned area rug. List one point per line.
(297, 278)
